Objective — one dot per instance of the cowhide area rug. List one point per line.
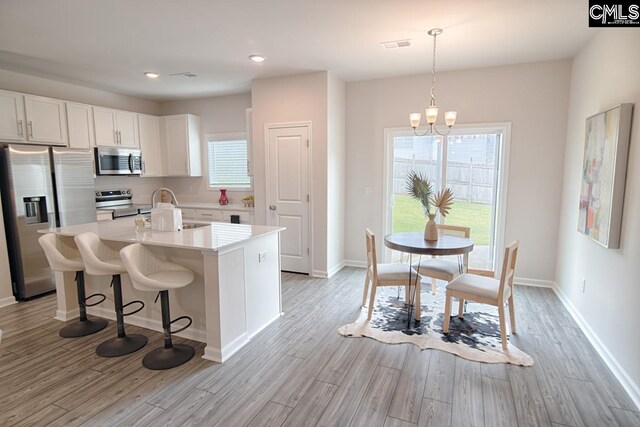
(476, 337)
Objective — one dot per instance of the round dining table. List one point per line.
(413, 243)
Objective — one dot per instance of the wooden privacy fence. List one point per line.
(470, 182)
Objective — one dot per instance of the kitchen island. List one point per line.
(235, 295)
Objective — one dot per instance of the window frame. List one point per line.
(502, 169)
(228, 136)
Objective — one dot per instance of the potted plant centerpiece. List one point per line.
(420, 188)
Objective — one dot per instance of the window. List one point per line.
(471, 162)
(227, 161)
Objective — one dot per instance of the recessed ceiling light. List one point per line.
(257, 58)
(152, 75)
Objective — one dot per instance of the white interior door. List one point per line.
(288, 193)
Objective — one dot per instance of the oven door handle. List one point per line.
(131, 162)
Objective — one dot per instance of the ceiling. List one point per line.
(110, 44)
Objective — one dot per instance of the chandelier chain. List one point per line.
(433, 71)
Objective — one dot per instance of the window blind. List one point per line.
(227, 163)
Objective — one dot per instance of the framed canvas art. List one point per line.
(603, 175)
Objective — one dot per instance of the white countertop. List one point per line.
(200, 205)
(211, 237)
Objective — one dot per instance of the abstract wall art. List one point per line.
(603, 174)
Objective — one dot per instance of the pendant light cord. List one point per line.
(433, 71)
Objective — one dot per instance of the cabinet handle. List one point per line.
(20, 131)
(30, 128)
(119, 138)
(144, 167)
(115, 136)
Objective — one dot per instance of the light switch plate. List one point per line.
(262, 256)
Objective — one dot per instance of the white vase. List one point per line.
(431, 229)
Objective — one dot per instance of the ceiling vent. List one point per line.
(396, 44)
(186, 74)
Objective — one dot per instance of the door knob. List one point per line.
(272, 207)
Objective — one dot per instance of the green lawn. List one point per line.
(408, 215)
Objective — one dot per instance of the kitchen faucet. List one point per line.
(174, 201)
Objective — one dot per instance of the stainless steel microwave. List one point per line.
(118, 161)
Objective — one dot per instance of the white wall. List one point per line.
(291, 99)
(336, 196)
(604, 74)
(6, 292)
(533, 97)
(18, 82)
(220, 114)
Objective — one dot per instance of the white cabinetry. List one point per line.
(115, 127)
(181, 134)
(102, 215)
(153, 150)
(46, 120)
(221, 214)
(11, 116)
(80, 124)
(209, 215)
(32, 119)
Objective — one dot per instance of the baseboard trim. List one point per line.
(632, 389)
(336, 268)
(256, 332)
(143, 322)
(220, 355)
(354, 263)
(526, 281)
(7, 301)
(65, 316)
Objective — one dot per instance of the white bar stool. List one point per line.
(101, 260)
(65, 257)
(150, 273)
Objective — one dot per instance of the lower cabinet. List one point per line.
(218, 215)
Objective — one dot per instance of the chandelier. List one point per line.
(431, 112)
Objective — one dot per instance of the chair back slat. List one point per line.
(508, 270)
(454, 230)
(372, 261)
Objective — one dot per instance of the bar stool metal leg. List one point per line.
(171, 355)
(123, 343)
(85, 326)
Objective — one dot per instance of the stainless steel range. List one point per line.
(120, 202)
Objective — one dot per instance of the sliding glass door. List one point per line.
(470, 161)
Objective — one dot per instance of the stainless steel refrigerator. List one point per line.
(42, 187)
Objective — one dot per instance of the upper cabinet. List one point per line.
(32, 119)
(153, 148)
(115, 127)
(80, 124)
(46, 120)
(11, 116)
(181, 134)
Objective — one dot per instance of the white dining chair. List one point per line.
(395, 274)
(487, 290)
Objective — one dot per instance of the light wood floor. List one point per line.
(300, 372)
